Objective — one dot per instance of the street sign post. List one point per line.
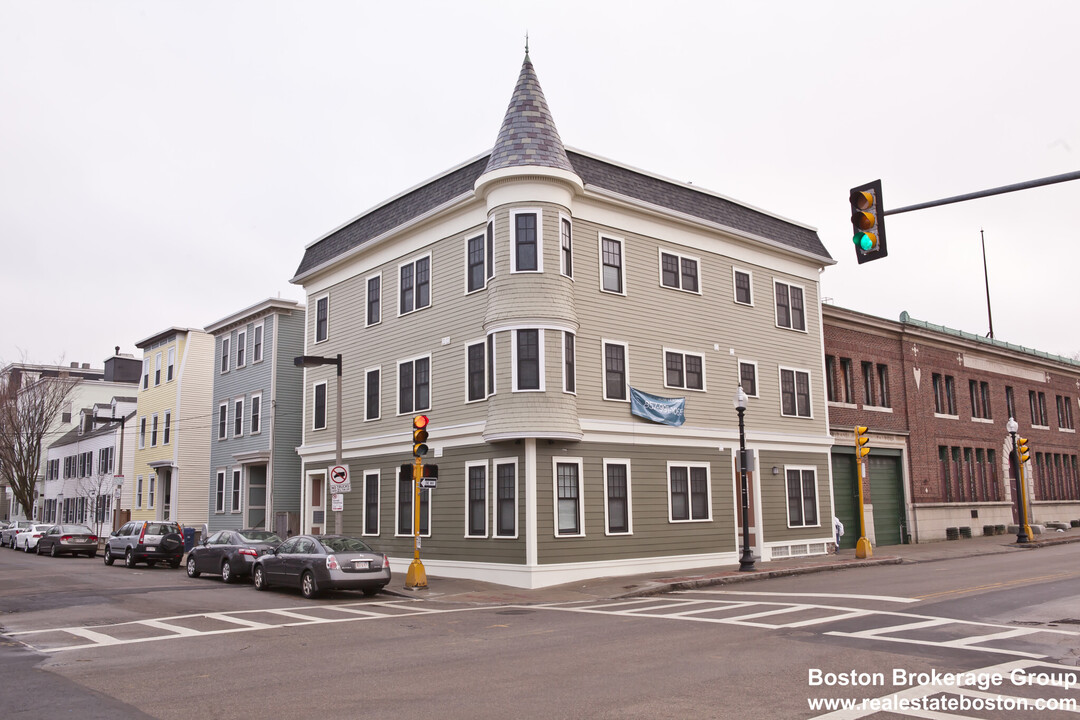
(339, 480)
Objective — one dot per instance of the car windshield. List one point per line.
(160, 528)
(344, 544)
(39, 528)
(260, 536)
(76, 530)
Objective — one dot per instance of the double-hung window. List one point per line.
(944, 394)
(1064, 411)
(371, 502)
(225, 354)
(528, 359)
(319, 412)
(505, 510)
(1037, 400)
(476, 371)
(689, 493)
(617, 497)
(238, 417)
(684, 370)
(569, 362)
(566, 248)
(374, 300)
(171, 364)
(527, 255)
(475, 256)
(372, 393)
(219, 494)
(612, 268)
(802, 497)
(489, 249)
(414, 385)
(794, 392)
(241, 348)
(569, 510)
(869, 386)
(415, 285)
(679, 272)
(322, 318)
(153, 430)
(142, 432)
(748, 378)
(790, 307)
(167, 429)
(257, 344)
(157, 369)
(476, 499)
(237, 489)
(223, 421)
(255, 425)
(615, 375)
(145, 373)
(743, 286)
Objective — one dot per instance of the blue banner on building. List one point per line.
(669, 411)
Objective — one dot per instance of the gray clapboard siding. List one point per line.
(774, 495)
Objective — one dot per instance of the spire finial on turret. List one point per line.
(526, 44)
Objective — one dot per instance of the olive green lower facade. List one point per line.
(535, 512)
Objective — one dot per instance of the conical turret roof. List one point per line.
(528, 136)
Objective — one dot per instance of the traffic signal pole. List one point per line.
(416, 577)
(863, 549)
(987, 193)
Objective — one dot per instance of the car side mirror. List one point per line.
(114, 533)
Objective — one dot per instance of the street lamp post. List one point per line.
(306, 361)
(1021, 502)
(746, 562)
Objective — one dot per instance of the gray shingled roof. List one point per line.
(528, 135)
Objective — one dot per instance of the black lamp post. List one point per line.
(1021, 511)
(306, 361)
(746, 562)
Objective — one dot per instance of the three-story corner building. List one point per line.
(520, 300)
(254, 476)
(172, 428)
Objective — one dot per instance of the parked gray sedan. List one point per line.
(230, 553)
(315, 563)
(68, 540)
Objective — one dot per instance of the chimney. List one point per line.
(86, 366)
(75, 365)
(117, 351)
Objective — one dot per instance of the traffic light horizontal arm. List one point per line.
(987, 193)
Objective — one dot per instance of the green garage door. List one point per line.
(846, 496)
(887, 494)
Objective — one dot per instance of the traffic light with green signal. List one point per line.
(419, 436)
(861, 440)
(868, 222)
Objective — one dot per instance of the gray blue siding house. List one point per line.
(255, 421)
(515, 300)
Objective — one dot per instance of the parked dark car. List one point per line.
(68, 539)
(230, 553)
(315, 563)
(148, 541)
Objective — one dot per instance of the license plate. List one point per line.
(78, 539)
(151, 548)
(361, 564)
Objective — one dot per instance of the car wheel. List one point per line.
(37, 549)
(53, 552)
(371, 591)
(308, 588)
(92, 554)
(129, 559)
(26, 547)
(109, 559)
(226, 572)
(191, 571)
(258, 579)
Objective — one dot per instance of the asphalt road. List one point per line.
(88, 641)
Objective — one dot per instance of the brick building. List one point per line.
(937, 402)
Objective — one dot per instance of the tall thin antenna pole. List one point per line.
(986, 275)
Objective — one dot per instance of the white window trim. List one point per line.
(689, 491)
(382, 295)
(157, 369)
(221, 480)
(238, 415)
(562, 361)
(817, 495)
(809, 385)
(600, 260)
(495, 497)
(660, 253)
(225, 355)
(540, 333)
(757, 377)
(142, 432)
(315, 319)
(252, 407)
(663, 364)
(153, 430)
(469, 237)
(236, 494)
(468, 345)
(397, 297)
(366, 372)
(139, 491)
(217, 420)
(562, 265)
(776, 312)
(539, 238)
(170, 364)
(378, 500)
(166, 426)
(735, 292)
(151, 483)
(629, 498)
(145, 380)
(603, 369)
(241, 349)
(397, 506)
(326, 406)
(487, 497)
(555, 462)
(397, 385)
(262, 348)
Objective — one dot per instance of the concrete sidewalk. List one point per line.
(453, 590)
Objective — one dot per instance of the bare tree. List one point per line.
(96, 489)
(28, 412)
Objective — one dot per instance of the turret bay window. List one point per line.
(689, 493)
(566, 250)
(802, 497)
(794, 393)
(790, 308)
(415, 285)
(527, 246)
(569, 512)
(615, 377)
(569, 362)
(414, 385)
(528, 368)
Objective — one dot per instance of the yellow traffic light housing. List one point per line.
(1022, 450)
(861, 440)
(420, 436)
(868, 222)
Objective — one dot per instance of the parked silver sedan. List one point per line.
(315, 563)
(68, 540)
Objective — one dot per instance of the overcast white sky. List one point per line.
(165, 163)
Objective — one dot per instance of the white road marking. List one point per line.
(882, 598)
